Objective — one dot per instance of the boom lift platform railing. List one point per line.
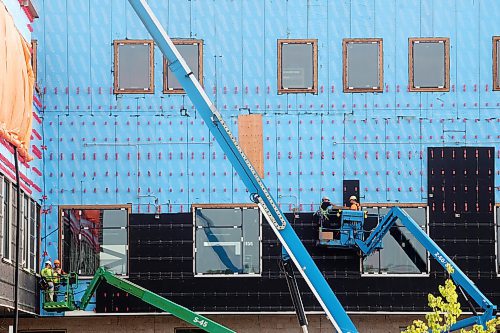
(351, 234)
(293, 248)
(68, 303)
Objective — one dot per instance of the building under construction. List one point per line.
(192, 164)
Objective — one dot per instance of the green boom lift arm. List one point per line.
(152, 299)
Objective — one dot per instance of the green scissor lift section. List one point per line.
(145, 295)
(68, 303)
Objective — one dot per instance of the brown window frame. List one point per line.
(446, 42)
(379, 41)
(177, 41)
(34, 58)
(314, 88)
(127, 207)
(496, 86)
(151, 88)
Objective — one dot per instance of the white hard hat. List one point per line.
(325, 198)
(353, 197)
(48, 262)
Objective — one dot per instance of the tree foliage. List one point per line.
(445, 312)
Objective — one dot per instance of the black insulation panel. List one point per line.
(350, 187)
(461, 204)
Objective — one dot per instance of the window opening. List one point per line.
(496, 63)
(401, 252)
(192, 52)
(429, 64)
(133, 67)
(363, 65)
(227, 240)
(297, 66)
(93, 237)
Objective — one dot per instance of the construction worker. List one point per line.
(354, 204)
(48, 274)
(325, 203)
(58, 271)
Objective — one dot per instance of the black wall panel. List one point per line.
(461, 199)
(350, 187)
(461, 221)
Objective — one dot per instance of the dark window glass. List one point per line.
(6, 219)
(26, 231)
(34, 60)
(93, 238)
(13, 220)
(33, 235)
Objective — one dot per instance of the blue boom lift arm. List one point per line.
(292, 245)
(373, 242)
(282, 228)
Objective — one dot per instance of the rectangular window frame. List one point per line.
(496, 73)
(116, 44)
(226, 206)
(166, 89)
(93, 207)
(378, 41)
(411, 83)
(428, 257)
(6, 214)
(33, 236)
(25, 206)
(14, 206)
(314, 88)
(38, 223)
(34, 59)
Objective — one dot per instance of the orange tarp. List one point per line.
(16, 85)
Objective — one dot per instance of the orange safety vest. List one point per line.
(355, 206)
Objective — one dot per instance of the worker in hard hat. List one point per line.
(353, 203)
(322, 212)
(58, 271)
(47, 273)
(325, 203)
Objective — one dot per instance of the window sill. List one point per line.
(29, 271)
(7, 261)
(284, 91)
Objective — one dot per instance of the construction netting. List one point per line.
(16, 85)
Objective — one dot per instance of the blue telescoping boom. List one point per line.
(397, 214)
(282, 228)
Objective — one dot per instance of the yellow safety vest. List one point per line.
(48, 274)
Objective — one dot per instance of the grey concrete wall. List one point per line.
(239, 323)
(27, 288)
